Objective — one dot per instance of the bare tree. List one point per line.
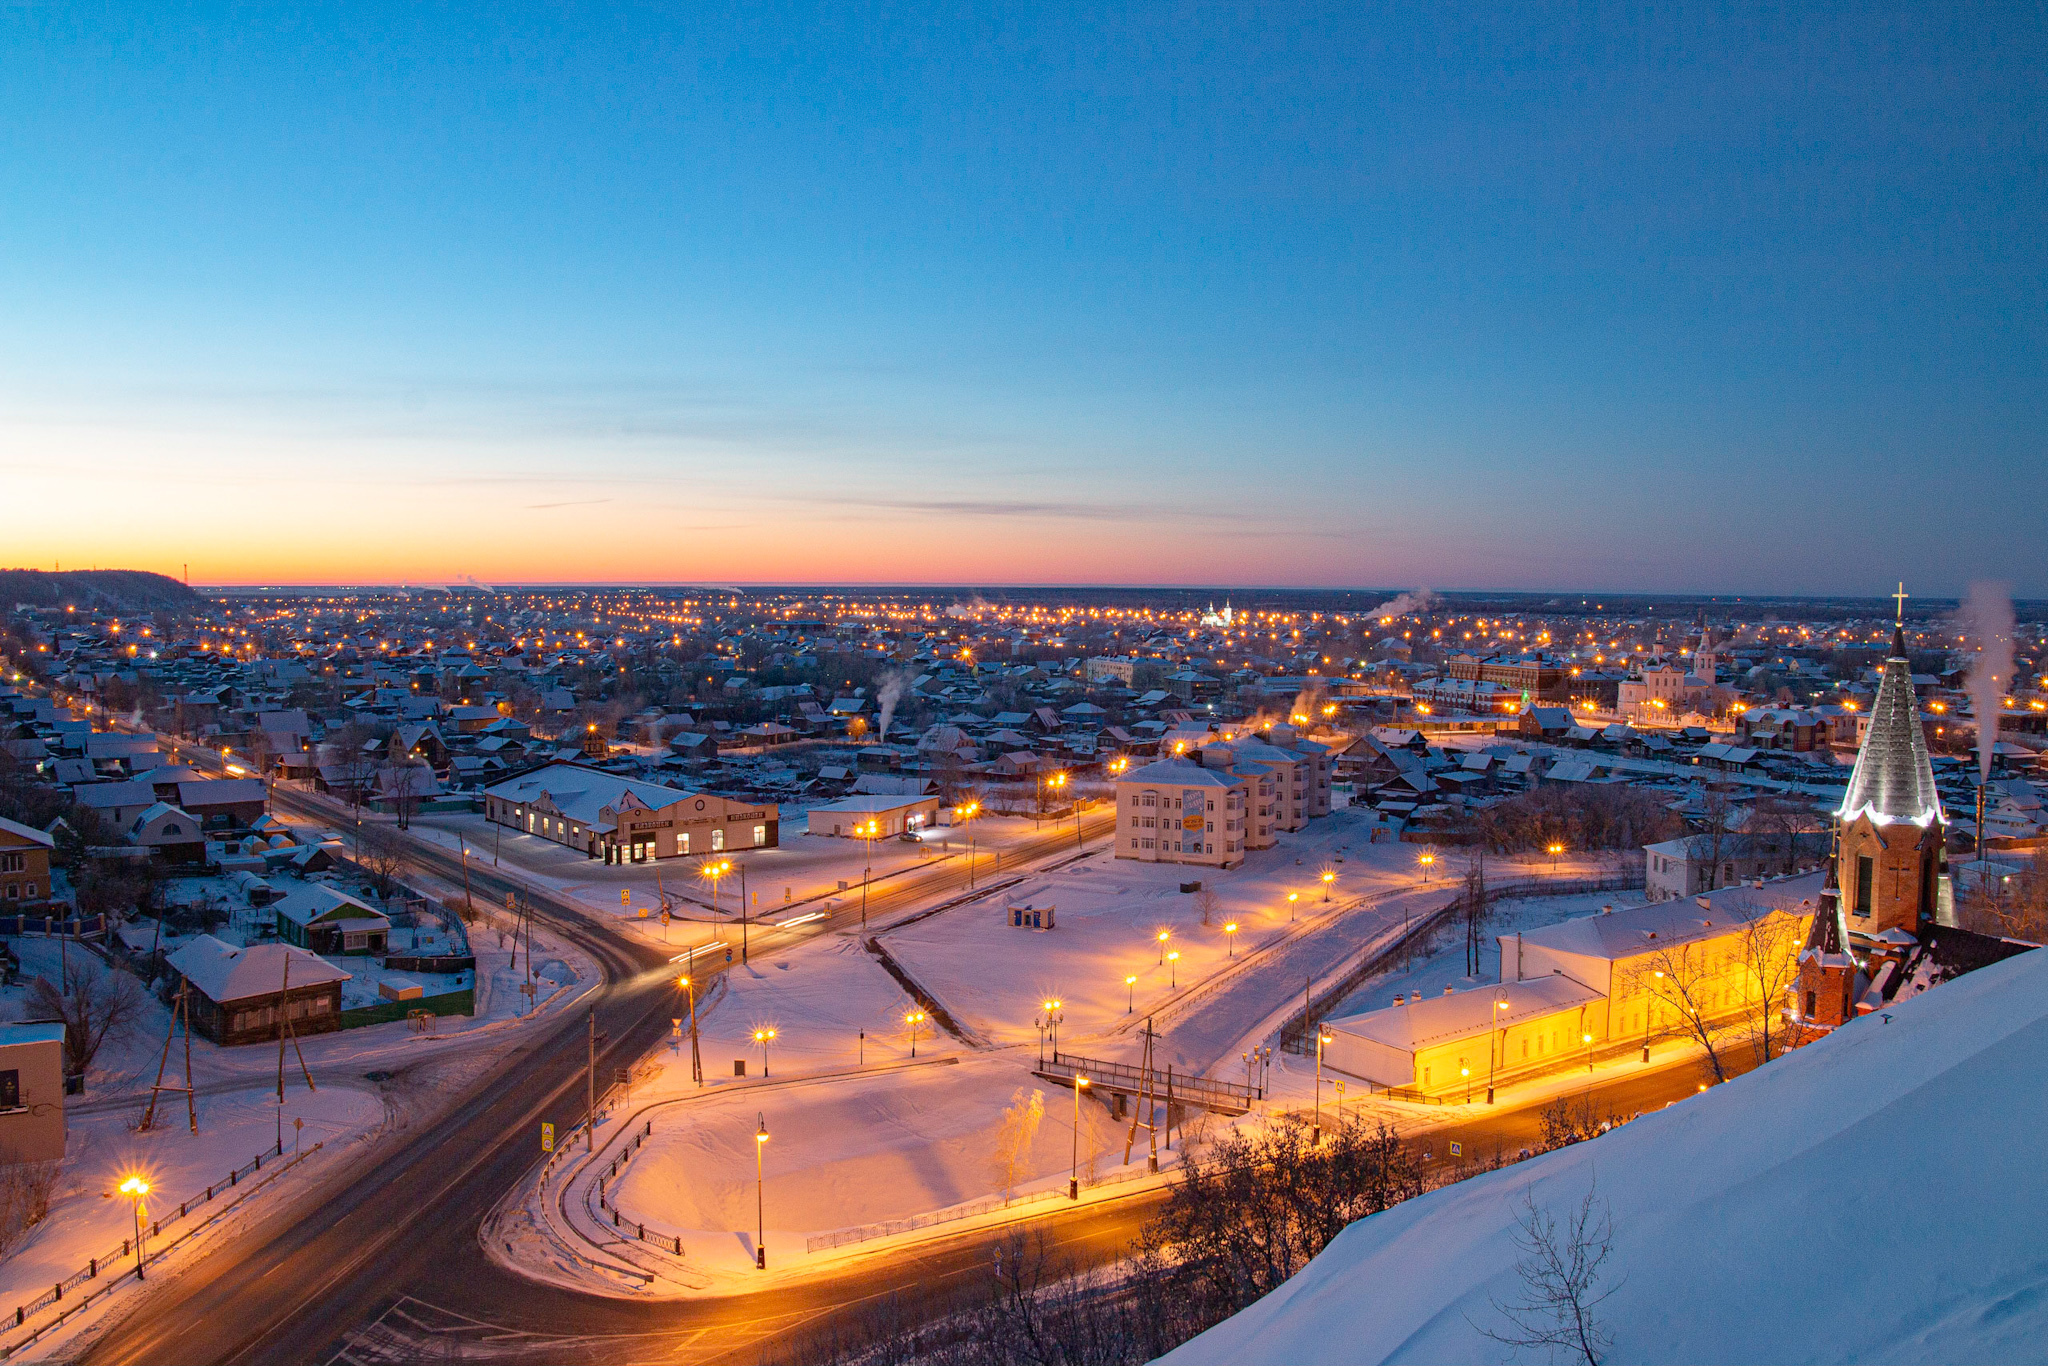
(1473, 910)
(1685, 980)
(352, 753)
(93, 1001)
(1014, 1138)
(381, 856)
(25, 1190)
(408, 778)
(1560, 1271)
(1717, 823)
(1206, 902)
(1768, 953)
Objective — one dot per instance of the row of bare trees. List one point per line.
(1579, 816)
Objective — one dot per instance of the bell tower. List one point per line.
(1891, 836)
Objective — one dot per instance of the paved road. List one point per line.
(398, 1228)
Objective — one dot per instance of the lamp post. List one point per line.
(1427, 859)
(1048, 1021)
(1162, 937)
(1322, 1037)
(696, 1060)
(1555, 850)
(1172, 971)
(914, 1019)
(1130, 992)
(1292, 899)
(135, 1188)
(1329, 876)
(1587, 1039)
(1497, 1034)
(760, 1204)
(867, 830)
(965, 814)
(1074, 1164)
(1230, 939)
(764, 1036)
(1649, 1004)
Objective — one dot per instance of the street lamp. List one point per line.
(1130, 993)
(764, 1036)
(1292, 898)
(914, 1019)
(965, 814)
(1555, 850)
(1048, 1021)
(867, 830)
(1587, 1039)
(1074, 1166)
(1329, 876)
(1162, 946)
(136, 1187)
(1323, 1036)
(1230, 940)
(760, 1217)
(1427, 858)
(1172, 971)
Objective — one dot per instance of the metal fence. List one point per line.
(118, 1264)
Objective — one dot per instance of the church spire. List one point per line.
(1893, 780)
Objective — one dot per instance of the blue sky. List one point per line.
(1733, 300)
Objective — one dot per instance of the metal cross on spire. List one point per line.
(1901, 596)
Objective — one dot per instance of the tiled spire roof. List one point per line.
(1893, 781)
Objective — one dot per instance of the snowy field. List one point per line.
(1747, 1223)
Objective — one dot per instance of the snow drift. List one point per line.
(1876, 1196)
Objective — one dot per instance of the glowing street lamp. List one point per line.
(135, 1188)
(1329, 876)
(1555, 849)
(867, 830)
(1074, 1164)
(1292, 898)
(1048, 1022)
(965, 814)
(764, 1036)
(1230, 941)
(760, 1217)
(915, 1020)
(1162, 946)
(1130, 993)
(696, 1059)
(1172, 965)
(1427, 858)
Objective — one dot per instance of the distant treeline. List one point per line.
(120, 590)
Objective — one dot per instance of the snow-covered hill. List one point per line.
(1878, 1196)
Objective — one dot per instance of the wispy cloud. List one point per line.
(571, 503)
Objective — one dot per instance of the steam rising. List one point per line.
(1406, 605)
(1987, 617)
(889, 694)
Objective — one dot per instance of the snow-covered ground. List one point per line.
(1873, 1197)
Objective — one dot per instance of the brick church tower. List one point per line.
(1885, 888)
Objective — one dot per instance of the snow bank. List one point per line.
(1876, 1196)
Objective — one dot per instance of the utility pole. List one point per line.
(590, 1090)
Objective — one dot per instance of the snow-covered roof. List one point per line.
(1175, 773)
(316, 901)
(1633, 930)
(582, 793)
(1432, 1020)
(227, 973)
(29, 833)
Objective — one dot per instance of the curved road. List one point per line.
(390, 1241)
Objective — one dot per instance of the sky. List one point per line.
(1701, 299)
